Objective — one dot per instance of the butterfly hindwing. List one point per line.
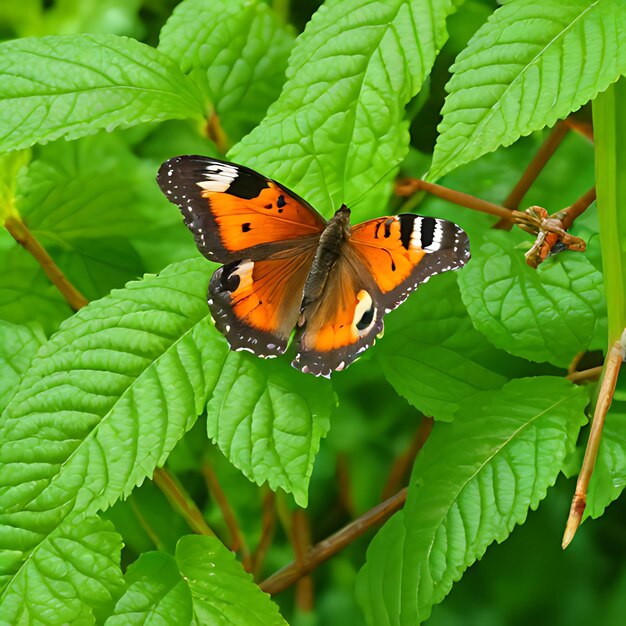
(256, 304)
(233, 211)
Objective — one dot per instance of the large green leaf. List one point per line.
(26, 293)
(547, 314)
(432, 354)
(108, 397)
(269, 421)
(338, 127)
(237, 51)
(18, 345)
(222, 591)
(155, 594)
(71, 86)
(474, 480)
(533, 62)
(73, 579)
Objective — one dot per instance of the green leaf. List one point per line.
(433, 356)
(74, 579)
(26, 293)
(71, 86)
(531, 64)
(338, 127)
(10, 166)
(472, 483)
(222, 591)
(155, 593)
(108, 397)
(547, 314)
(18, 345)
(236, 50)
(269, 421)
(104, 402)
(89, 189)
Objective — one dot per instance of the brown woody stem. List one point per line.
(19, 231)
(268, 525)
(216, 133)
(573, 211)
(592, 373)
(333, 544)
(463, 199)
(537, 164)
(405, 460)
(607, 389)
(181, 501)
(238, 543)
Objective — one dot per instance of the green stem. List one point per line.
(609, 123)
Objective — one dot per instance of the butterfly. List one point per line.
(285, 267)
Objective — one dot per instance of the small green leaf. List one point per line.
(531, 64)
(10, 166)
(269, 421)
(26, 293)
(236, 50)
(433, 356)
(472, 483)
(71, 86)
(155, 593)
(338, 127)
(18, 345)
(74, 579)
(222, 591)
(547, 314)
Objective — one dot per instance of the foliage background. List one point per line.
(95, 207)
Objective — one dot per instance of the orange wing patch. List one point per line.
(273, 216)
(388, 252)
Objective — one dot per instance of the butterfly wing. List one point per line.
(265, 234)
(384, 260)
(233, 211)
(403, 251)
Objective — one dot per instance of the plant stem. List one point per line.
(405, 460)
(537, 164)
(576, 209)
(592, 373)
(612, 366)
(268, 525)
(333, 544)
(181, 501)
(216, 133)
(238, 543)
(20, 232)
(145, 525)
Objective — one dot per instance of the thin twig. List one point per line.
(333, 544)
(268, 525)
(301, 541)
(405, 460)
(20, 232)
(568, 215)
(216, 133)
(592, 373)
(343, 483)
(413, 185)
(607, 389)
(582, 128)
(143, 522)
(237, 541)
(181, 501)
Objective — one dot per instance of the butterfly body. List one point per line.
(285, 268)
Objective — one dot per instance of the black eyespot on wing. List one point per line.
(228, 280)
(245, 227)
(366, 318)
(388, 224)
(280, 202)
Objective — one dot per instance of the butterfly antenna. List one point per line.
(354, 203)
